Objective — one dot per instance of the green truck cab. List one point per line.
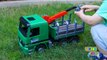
(32, 33)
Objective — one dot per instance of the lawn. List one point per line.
(9, 49)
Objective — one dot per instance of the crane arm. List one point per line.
(50, 19)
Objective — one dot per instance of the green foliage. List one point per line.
(9, 49)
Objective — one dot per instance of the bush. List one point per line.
(7, 0)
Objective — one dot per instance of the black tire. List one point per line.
(74, 39)
(63, 42)
(40, 48)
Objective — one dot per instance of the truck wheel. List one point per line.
(63, 43)
(74, 39)
(40, 48)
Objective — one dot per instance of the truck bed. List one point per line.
(71, 29)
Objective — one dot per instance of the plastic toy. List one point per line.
(96, 56)
(38, 33)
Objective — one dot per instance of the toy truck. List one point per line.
(37, 33)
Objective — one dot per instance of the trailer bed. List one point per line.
(71, 28)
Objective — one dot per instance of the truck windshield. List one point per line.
(23, 29)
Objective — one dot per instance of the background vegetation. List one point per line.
(7, 0)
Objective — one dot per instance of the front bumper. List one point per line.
(25, 50)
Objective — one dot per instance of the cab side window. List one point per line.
(34, 32)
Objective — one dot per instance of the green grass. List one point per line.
(9, 49)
